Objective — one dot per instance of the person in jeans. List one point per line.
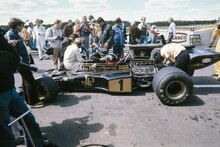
(118, 35)
(12, 104)
(29, 85)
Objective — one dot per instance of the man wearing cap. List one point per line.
(29, 84)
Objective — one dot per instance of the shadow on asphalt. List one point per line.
(71, 131)
(67, 100)
(135, 92)
(194, 101)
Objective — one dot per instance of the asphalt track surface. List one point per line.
(135, 120)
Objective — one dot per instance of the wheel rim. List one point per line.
(176, 90)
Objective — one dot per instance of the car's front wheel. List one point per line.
(47, 89)
(172, 86)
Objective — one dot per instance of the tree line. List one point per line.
(158, 23)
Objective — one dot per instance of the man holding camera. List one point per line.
(85, 30)
(216, 33)
(54, 36)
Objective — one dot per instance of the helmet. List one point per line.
(102, 51)
(111, 58)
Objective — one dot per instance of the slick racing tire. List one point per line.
(47, 89)
(172, 86)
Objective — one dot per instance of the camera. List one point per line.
(59, 38)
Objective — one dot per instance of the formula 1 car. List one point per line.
(141, 67)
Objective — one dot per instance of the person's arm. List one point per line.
(79, 27)
(214, 36)
(111, 34)
(88, 29)
(212, 40)
(172, 60)
(78, 55)
(174, 28)
(49, 35)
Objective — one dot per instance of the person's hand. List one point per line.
(13, 42)
(93, 66)
(137, 40)
(106, 45)
(102, 59)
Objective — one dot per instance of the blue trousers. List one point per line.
(118, 50)
(12, 104)
(143, 39)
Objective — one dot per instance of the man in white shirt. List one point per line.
(39, 36)
(72, 56)
(171, 30)
(176, 54)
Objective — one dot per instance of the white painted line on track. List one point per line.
(206, 86)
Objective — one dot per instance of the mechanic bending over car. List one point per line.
(177, 55)
(72, 56)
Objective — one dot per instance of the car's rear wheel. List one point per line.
(47, 89)
(172, 86)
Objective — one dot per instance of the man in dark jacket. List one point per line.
(11, 102)
(106, 39)
(29, 84)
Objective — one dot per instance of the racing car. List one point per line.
(139, 68)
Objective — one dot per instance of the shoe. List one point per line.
(218, 79)
(40, 59)
(38, 105)
(49, 145)
(214, 75)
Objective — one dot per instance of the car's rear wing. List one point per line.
(201, 57)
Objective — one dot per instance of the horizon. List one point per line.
(154, 10)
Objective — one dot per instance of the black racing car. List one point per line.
(141, 67)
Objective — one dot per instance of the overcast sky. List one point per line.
(154, 10)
